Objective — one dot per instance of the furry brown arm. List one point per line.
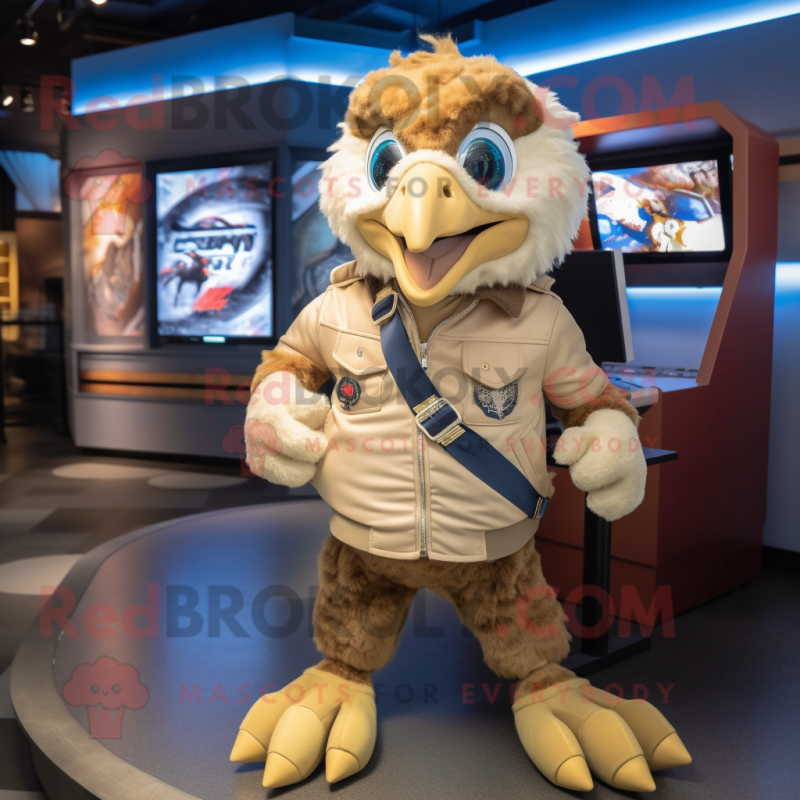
(613, 397)
(310, 376)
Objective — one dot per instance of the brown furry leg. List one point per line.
(358, 615)
(542, 678)
(513, 613)
(344, 671)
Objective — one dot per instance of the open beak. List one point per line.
(434, 234)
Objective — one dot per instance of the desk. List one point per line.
(598, 652)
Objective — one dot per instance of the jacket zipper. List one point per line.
(423, 355)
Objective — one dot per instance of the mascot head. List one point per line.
(452, 174)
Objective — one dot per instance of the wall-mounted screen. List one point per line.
(214, 250)
(666, 208)
(315, 250)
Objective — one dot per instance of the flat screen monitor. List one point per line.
(214, 279)
(591, 284)
(660, 208)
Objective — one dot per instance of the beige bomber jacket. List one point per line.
(394, 492)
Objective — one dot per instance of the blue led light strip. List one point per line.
(536, 40)
(574, 32)
(787, 279)
(787, 276)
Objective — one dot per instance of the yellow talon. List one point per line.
(671, 752)
(634, 776)
(339, 764)
(247, 749)
(279, 771)
(574, 774)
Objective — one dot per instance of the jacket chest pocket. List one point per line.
(493, 371)
(359, 358)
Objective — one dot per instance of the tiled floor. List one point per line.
(43, 514)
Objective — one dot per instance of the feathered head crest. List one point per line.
(440, 45)
(431, 98)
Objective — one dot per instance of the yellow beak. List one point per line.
(428, 207)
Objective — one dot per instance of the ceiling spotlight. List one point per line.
(29, 35)
(28, 104)
(99, 2)
(8, 100)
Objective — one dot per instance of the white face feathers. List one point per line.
(547, 182)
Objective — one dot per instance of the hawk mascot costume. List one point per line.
(458, 186)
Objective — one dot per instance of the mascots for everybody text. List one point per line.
(458, 186)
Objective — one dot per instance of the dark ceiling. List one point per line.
(69, 29)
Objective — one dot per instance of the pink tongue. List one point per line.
(430, 266)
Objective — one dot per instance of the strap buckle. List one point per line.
(541, 507)
(438, 419)
(385, 306)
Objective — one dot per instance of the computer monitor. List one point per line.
(592, 285)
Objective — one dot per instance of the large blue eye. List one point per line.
(384, 152)
(386, 155)
(488, 156)
(485, 163)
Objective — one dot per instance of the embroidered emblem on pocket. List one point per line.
(348, 392)
(497, 403)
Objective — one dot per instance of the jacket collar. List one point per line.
(509, 298)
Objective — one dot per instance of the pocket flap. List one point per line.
(359, 354)
(494, 364)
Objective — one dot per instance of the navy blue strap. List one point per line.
(440, 421)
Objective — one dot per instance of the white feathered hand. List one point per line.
(605, 459)
(283, 430)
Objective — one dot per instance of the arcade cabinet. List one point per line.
(688, 196)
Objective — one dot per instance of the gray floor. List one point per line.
(728, 672)
(43, 515)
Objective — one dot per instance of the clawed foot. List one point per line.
(319, 714)
(572, 730)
